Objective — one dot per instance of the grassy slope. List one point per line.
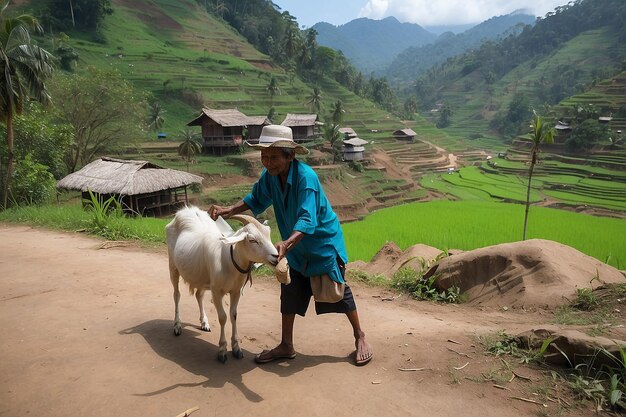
(153, 42)
(474, 108)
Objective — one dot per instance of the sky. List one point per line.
(422, 12)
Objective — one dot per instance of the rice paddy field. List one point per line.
(469, 225)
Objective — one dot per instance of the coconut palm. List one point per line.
(315, 100)
(541, 133)
(272, 88)
(337, 112)
(24, 68)
(332, 134)
(189, 147)
(155, 119)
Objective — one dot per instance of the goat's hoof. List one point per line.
(205, 327)
(222, 357)
(177, 330)
(238, 354)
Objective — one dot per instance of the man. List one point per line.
(312, 237)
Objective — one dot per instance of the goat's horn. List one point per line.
(245, 219)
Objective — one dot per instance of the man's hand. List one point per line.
(286, 245)
(217, 211)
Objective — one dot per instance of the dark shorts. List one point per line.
(295, 297)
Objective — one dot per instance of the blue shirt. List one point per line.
(303, 206)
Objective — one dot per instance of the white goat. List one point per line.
(209, 255)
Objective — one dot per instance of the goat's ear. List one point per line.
(238, 236)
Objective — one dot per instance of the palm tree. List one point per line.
(273, 88)
(332, 134)
(315, 100)
(541, 133)
(337, 112)
(155, 119)
(189, 147)
(24, 68)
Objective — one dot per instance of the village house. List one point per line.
(305, 127)
(404, 134)
(223, 131)
(141, 187)
(354, 149)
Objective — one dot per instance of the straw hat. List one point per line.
(277, 136)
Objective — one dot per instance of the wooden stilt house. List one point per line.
(405, 134)
(141, 187)
(305, 127)
(223, 131)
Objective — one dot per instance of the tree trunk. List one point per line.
(533, 161)
(7, 186)
(72, 12)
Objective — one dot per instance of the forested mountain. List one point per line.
(415, 60)
(371, 44)
(496, 85)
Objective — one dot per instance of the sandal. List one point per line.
(269, 356)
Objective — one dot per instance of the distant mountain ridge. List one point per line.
(372, 44)
(416, 60)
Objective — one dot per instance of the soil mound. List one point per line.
(390, 258)
(530, 273)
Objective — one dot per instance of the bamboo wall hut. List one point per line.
(223, 131)
(354, 149)
(405, 134)
(141, 187)
(305, 127)
(348, 132)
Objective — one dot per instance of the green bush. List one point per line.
(32, 183)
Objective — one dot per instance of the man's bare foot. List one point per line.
(282, 351)
(364, 352)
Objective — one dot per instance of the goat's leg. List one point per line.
(221, 315)
(234, 301)
(174, 277)
(204, 321)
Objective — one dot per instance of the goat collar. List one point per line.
(240, 269)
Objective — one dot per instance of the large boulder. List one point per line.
(533, 272)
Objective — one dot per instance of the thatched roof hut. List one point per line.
(348, 132)
(140, 186)
(404, 134)
(305, 127)
(354, 149)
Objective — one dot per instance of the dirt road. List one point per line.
(88, 332)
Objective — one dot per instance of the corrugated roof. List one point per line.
(118, 176)
(292, 120)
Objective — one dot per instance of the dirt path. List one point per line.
(88, 332)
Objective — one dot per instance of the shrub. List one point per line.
(32, 182)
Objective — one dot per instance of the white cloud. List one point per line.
(437, 12)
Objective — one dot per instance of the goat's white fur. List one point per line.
(199, 252)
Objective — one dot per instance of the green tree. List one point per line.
(332, 134)
(189, 147)
(585, 135)
(272, 88)
(105, 112)
(24, 70)
(291, 41)
(39, 134)
(315, 100)
(445, 115)
(271, 114)
(541, 133)
(81, 14)
(337, 112)
(155, 119)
